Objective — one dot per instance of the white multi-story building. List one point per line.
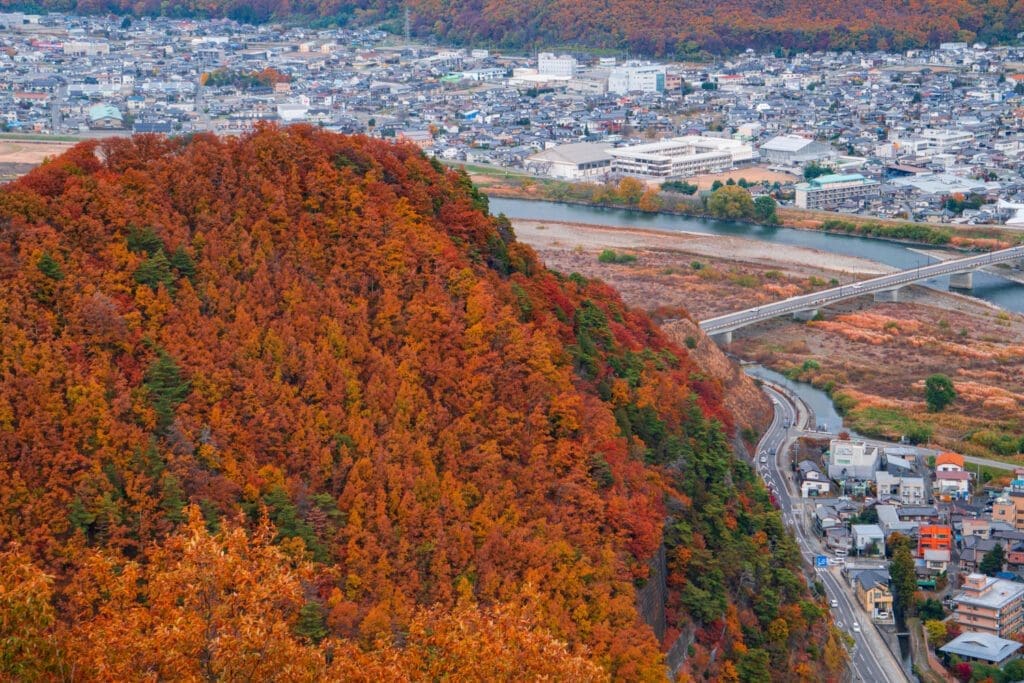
(831, 190)
(945, 140)
(549, 64)
(81, 48)
(636, 77)
(679, 157)
(852, 459)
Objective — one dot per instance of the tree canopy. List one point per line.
(731, 201)
(295, 402)
(939, 392)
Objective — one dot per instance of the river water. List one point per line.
(996, 290)
(816, 399)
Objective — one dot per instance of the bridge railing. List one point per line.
(880, 283)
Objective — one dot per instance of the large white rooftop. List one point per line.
(574, 153)
(787, 143)
(981, 646)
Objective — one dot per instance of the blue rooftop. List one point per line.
(837, 178)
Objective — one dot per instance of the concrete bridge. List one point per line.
(884, 288)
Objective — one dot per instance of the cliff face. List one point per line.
(317, 360)
(741, 397)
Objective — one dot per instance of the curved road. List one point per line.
(870, 661)
(809, 302)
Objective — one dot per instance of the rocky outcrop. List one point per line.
(742, 396)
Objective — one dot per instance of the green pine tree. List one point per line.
(154, 271)
(167, 388)
(144, 240)
(49, 267)
(312, 622)
(992, 563)
(183, 263)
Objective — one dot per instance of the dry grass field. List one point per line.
(872, 357)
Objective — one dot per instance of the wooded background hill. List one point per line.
(659, 28)
(293, 406)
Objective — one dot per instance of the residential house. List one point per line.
(973, 646)
(825, 518)
(874, 594)
(973, 550)
(812, 481)
(868, 539)
(918, 513)
(949, 462)
(975, 527)
(952, 484)
(889, 520)
(838, 538)
(105, 116)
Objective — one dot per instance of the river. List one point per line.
(996, 290)
(817, 400)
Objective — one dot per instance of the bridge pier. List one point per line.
(888, 295)
(804, 316)
(722, 338)
(962, 280)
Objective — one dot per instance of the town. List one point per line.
(861, 507)
(927, 135)
(935, 136)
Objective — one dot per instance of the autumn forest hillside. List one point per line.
(294, 406)
(663, 28)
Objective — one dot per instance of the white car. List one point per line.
(856, 627)
(833, 603)
(764, 458)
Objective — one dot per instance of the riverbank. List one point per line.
(872, 357)
(974, 238)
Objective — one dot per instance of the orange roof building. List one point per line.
(949, 462)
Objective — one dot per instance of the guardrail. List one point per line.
(804, 302)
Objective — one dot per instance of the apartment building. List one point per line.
(1009, 507)
(934, 537)
(832, 190)
(549, 64)
(989, 605)
(637, 77)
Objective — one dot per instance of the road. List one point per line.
(871, 660)
(59, 95)
(809, 302)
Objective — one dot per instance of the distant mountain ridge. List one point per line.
(662, 28)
